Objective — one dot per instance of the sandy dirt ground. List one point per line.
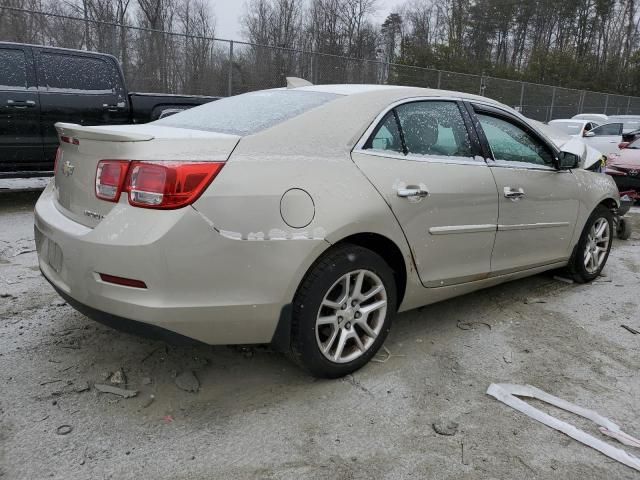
(255, 415)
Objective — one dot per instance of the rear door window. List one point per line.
(434, 128)
(609, 129)
(63, 72)
(13, 69)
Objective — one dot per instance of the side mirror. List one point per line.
(588, 134)
(568, 161)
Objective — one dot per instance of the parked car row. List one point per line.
(40, 86)
(609, 134)
(618, 139)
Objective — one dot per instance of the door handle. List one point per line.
(513, 193)
(20, 103)
(412, 192)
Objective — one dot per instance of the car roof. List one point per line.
(60, 49)
(346, 118)
(570, 120)
(389, 91)
(582, 116)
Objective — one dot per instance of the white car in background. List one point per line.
(574, 128)
(591, 159)
(608, 136)
(605, 138)
(601, 118)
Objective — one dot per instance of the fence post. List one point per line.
(230, 85)
(439, 78)
(606, 103)
(521, 97)
(553, 100)
(482, 85)
(581, 102)
(628, 105)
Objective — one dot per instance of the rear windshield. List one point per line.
(248, 113)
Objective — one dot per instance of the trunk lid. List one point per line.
(81, 148)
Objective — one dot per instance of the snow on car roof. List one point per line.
(347, 89)
(400, 90)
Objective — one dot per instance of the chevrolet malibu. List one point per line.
(307, 217)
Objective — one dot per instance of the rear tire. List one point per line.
(592, 251)
(342, 311)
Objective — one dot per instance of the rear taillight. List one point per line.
(623, 145)
(155, 184)
(110, 176)
(168, 184)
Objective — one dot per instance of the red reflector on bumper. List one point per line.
(127, 282)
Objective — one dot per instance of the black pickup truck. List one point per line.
(40, 86)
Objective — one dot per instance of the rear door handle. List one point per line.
(513, 193)
(115, 107)
(412, 192)
(20, 103)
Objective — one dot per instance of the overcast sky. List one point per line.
(228, 13)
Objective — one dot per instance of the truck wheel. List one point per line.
(623, 229)
(342, 311)
(592, 251)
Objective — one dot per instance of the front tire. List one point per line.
(592, 251)
(342, 311)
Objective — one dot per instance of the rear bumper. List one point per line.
(127, 325)
(201, 284)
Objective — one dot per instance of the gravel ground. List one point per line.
(257, 416)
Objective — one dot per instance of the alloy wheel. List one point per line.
(351, 316)
(597, 245)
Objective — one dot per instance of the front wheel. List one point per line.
(593, 247)
(342, 311)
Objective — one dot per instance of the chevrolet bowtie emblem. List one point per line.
(67, 169)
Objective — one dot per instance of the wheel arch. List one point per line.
(609, 203)
(390, 253)
(388, 249)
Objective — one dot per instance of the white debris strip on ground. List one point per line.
(508, 394)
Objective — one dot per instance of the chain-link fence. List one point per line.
(190, 63)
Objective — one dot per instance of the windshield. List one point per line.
(570, 128)
(248, 113)
(635, 145)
